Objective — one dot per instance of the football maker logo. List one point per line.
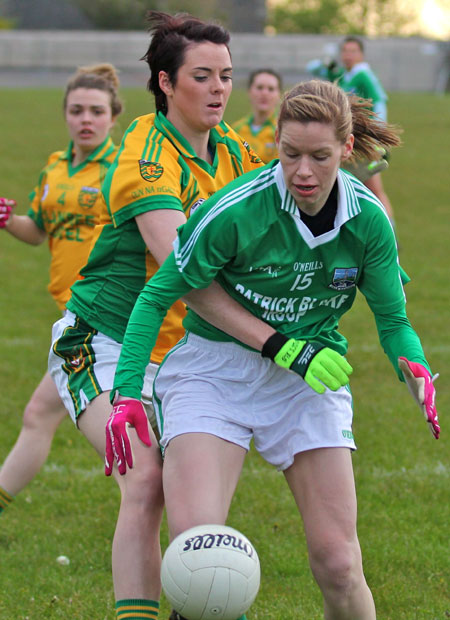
(150, 170)
(87, 197)
(196, 204)
(344, 278)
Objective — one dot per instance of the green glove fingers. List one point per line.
(328, 368)
(320, 366)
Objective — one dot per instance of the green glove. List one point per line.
(318, 365)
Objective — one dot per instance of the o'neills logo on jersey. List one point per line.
(87, 197)
(344, 278)
(150, 170)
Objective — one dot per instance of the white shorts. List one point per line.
(82, 362)
(223, 389)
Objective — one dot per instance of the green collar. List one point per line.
(270, 122)
(183, 146)
(103, 150)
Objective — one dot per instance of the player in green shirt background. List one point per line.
(291, 242)
(354, 75)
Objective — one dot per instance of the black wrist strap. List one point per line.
(273, 344)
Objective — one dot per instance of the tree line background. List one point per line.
(364, 17)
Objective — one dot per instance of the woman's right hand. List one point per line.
(6, 207)
(126, 412)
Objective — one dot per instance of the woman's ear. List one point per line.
(347, 147)
(164, 83)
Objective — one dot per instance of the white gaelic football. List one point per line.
(210, 572)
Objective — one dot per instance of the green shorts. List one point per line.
(82, 362)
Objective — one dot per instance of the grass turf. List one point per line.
(402, 474)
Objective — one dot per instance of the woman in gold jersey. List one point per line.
(65, 208)
(258, 129)
(168, 163)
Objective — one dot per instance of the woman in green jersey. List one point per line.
(167, 165)
(356, 76)
(359, 78)
(291, 242)
(65, 208)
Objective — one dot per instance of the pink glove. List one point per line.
(126, 413)
(420, 384)
(6, 206)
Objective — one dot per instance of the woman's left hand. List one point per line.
(420, 384)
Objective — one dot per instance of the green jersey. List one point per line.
(362, 81)
(329, 71)
(251, 239)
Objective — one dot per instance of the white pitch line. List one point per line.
(54, 468)
(418, 471)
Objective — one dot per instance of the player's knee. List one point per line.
(34, 415)
(143, 484)
(337, 567)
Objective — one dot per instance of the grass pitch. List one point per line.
(402, 474)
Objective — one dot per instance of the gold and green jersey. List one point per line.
(66, 204)
(251, 239)
(156, 168)
(261, 138)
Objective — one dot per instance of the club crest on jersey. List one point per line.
(76, 360)
(254, 158)
(344, 278)
(150, 170)
(87, 197)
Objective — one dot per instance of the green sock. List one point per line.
(5, 499)
(244, 617)
(137, 609)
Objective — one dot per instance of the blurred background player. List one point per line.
(65, 208)
(168, 164)
(258, 129)
(289, 391)
(355, 75)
